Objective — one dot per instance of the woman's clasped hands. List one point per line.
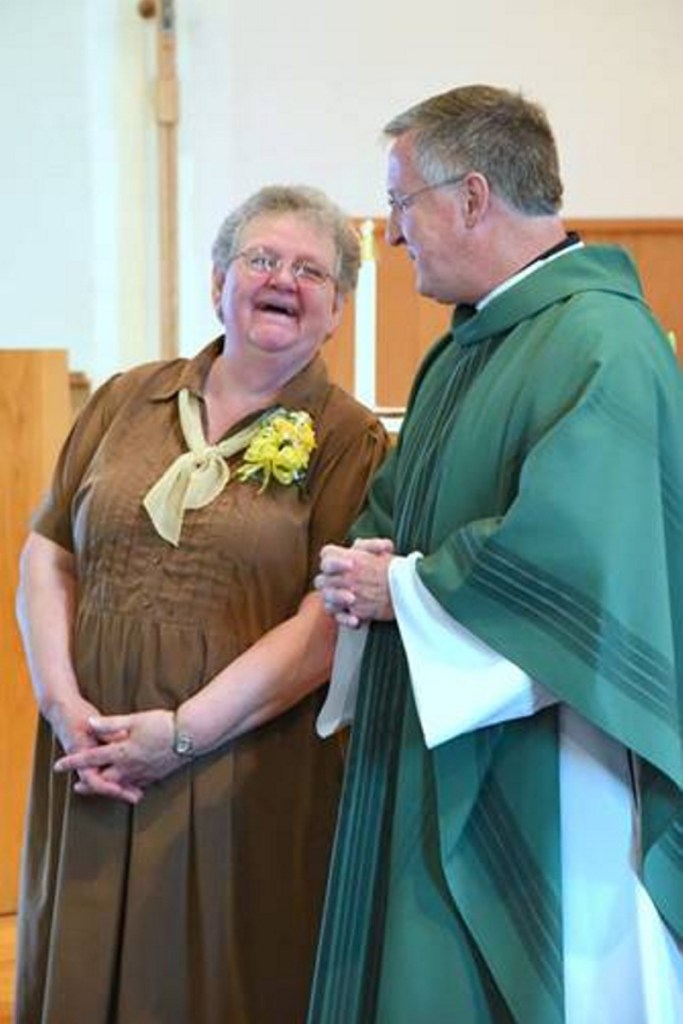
(126, 753)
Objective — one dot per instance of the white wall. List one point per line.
(285, 92)
(44, 179)
(76, 199)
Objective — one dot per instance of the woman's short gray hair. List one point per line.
(499, 133)
(312, 205)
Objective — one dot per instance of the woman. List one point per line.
(166, 581)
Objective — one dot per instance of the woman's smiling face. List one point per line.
(275, 311)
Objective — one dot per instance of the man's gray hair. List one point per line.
(499, 133)
(313, 206)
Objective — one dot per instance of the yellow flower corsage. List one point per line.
(281, 449)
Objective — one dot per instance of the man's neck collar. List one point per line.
(567, 244)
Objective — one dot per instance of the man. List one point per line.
(510, 846)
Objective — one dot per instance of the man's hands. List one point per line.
(354, 582)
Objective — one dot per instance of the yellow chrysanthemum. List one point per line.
(281, 449)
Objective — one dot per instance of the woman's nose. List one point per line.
(284, 274)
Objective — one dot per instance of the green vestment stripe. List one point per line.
(672, 496)
(581, 625)
(497, 793)
(672, 845)
(350, 942)
(423, 447)
(524, 892)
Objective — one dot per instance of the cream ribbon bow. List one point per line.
(196, 477)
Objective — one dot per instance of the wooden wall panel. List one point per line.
(407, 323)
(34, 416)
(338, 352)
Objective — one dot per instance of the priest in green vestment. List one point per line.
(510, 842)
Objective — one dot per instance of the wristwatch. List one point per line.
(183, 743)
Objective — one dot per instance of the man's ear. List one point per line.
(217, 282)
(476, 197)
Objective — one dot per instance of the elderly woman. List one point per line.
(167, 582)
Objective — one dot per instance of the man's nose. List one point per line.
(393, 232)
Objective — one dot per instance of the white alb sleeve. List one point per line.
(340, 703)
(459, 682)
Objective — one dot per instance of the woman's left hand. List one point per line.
(134, 750)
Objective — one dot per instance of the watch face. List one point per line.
(183, 744)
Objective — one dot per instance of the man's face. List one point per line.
(431, 227)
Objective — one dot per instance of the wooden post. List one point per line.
(167, 129)
(34, 418)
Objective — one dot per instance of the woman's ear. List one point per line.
(337, 311)
(217, 282)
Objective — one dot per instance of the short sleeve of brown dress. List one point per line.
(201, 904)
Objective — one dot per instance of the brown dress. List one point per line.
(201, 904)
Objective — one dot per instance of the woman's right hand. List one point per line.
(134, 751)
(71, 723)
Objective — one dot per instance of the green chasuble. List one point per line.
(540, 472)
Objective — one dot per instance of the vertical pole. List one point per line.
(365, 358)
(166, 110)
(167, 121)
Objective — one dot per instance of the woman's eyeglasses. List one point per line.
(264, 262)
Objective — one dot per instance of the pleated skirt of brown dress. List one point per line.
(198, 906)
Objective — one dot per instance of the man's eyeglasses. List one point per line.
(264, 262)
(399, 204)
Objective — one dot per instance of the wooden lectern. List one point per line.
(35, 415)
